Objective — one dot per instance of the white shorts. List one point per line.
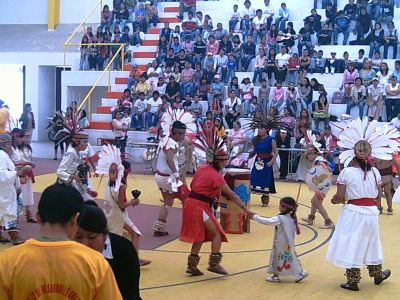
(205, 216)
(163, 184)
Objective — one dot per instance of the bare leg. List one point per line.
(217, 240)
(135, 241)
(168, 201)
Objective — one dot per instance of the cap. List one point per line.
(375, 79)
(328, 127)
(148, 2)
(217, 76)
(283, 131)
(209, 53)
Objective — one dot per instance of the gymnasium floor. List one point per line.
(245, 256)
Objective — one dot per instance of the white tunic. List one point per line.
(283, 259)
(162, 166)
(20, 157)
(356, 241)
(8, 195)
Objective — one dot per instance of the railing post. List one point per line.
(65, 56)
(109, 79)
(101, 8)
(122, 57)
(89, 107)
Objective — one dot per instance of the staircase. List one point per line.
(100, 125)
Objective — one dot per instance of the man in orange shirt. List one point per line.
(134, 75)
(51, 265)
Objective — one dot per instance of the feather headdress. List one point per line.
(262, 119)
(72, 128)
(172, 115)
(211, 144)
(310, 139)
(363, 139)
(110, 162)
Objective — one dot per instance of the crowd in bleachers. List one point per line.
(197, 63)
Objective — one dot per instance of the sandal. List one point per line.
(144, 262)
(274, 278)
(350, 286)
(301, 276)
(4, 240)
(385, 275)
(390, 211)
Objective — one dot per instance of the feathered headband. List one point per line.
(310, 139)
(172, 115)
(211, 144)
(110, 163)
(72, 129)
(262, 119)
(364, 139)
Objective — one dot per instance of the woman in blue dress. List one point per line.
(262, 174)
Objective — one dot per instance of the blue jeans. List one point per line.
(160, 58)
(345, 32)
(187, 88)
(138, 120)
(197, 59)
(360, 105)
(386, 48)
(151, 119)
(232, 24)
(280, 23)
(246, 59)
(230, 75)
(373, 46)
(292, 105)
(258, 73)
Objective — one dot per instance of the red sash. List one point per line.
(362, 202)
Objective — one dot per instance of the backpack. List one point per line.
(338, 98)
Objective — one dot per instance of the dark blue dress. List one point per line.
(262, 176)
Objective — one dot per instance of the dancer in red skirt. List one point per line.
(199, 225)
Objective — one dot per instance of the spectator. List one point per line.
(387, 13)
(367, 74)
(249, 52)
(349, 77)
(305, 93)
(364, 25)
(27, 120)
(334, 65)
(232, 108)
(314, 20)
(396, 71)
(392, 101)
(376, 61)
(139, 113)
(186, 6)
(196, 108)
(84, 58)
(237, 49)
(199, 50)
(375, 100)
(268, 13)
(151, 13)
(341, 25)
(152, 74)
(325, 35)
(249, 10)
(360, 60)
(106, 16)
(162, 50)
(330, 14)
(153, 110)
(293, 68)
(176, 46)
(270, 65)
(220, 32)
(291, 97)
(289, 119)
(121, 17)
(358, 98)
(143, 86)
(226, 45)
(259, 66)
(283, 142)
(374, 9)
(166, 31)
(236, 138)
(305, 61)
(140, 15)
(246, 92)
(351, 11)
(212, 45)
(120, 131)
(245, 26)
(177, 75)
(216, 89)
(221, 65)
(259, 26)
(376, 39)
(278, 95)
(172, 90)
(234, 85)
(283, 16)
(134, 75)
(263, 95)
(304, 38)
(321, 111)
(235, 18)
(303, 124)
(289, 35)
(187, 85)
(189, 26)
(89, 276)
(137, 37)
(272, 37)
(125, 103)
(107, 34)
(281, 61)
(231, 67)
(318, 63)
(390, 39)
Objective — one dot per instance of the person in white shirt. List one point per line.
(232, 108)
(153, 110)
(259, 26)
(281, 61)
(235, 18)
(395, 122)
(259, 66)
(220, 65)
(268, 13)
(392, 101)
(283, 16)
(248, 9)
(161, 85)
(153, 73)
(139, 112)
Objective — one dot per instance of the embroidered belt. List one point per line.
(362, 202)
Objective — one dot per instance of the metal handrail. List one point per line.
(106, 69)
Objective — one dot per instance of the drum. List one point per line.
(233, 219)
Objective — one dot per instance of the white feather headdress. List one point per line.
(310, 139)
(172, 115)
(383, 141)
(109, 155)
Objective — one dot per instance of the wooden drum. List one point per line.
(233, 219)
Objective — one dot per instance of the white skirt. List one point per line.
(163, 184)
(356, 240)
(27, 192)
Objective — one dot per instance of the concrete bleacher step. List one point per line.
(100, 117)
(121, 80)
(100, 125)
(144, 55)
(118, 87)
(113, 95)
(171, 9)
(109, 101)
(133, 136)
(142, 66)
(104, 109)
(150, 42)
(169, 19)
(143, 49)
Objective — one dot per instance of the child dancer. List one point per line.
(314, 154)
(283, 260)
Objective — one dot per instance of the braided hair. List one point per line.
(291, 207)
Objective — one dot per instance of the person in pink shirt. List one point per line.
(349, 78)
(259, 66)
(278, 95)
(212, 45)
(187, 83)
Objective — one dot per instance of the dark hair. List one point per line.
(364, 163)
(291, 206)
(59, 203)
(92, 219)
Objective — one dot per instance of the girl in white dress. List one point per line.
(356, 241)
(283, 260)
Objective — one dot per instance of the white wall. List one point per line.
(74, 11)
(32, 61)
(24, 11)
(46, 96)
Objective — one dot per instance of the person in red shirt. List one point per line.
(199, 224)
(186, 6)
